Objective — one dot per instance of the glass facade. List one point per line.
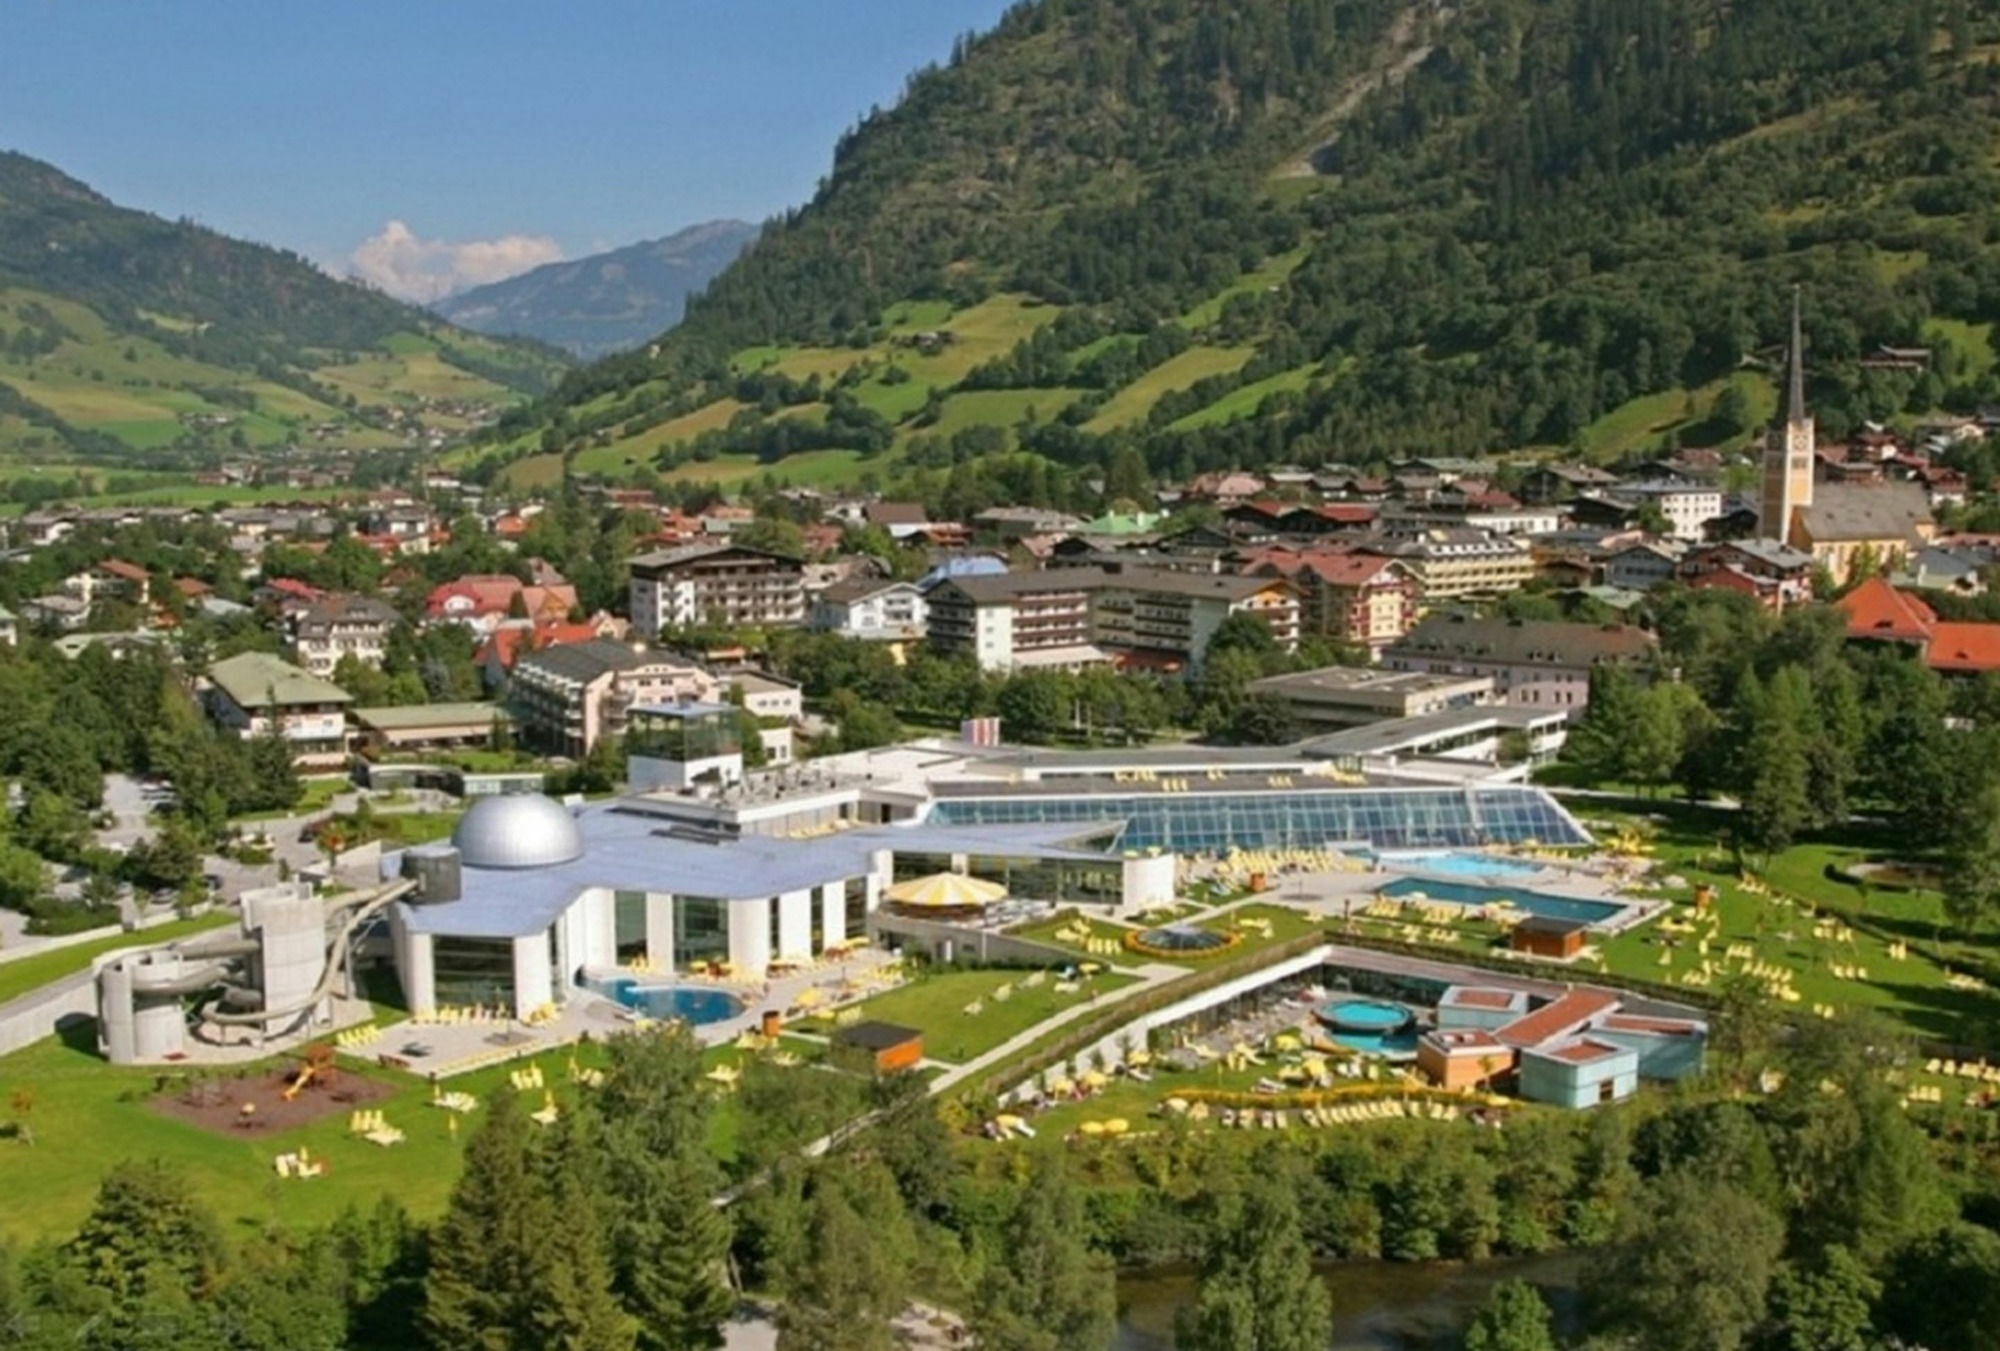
(701, 930)
(854, 909)
(1213, 823)
(473, 970)
(629, 925)
(683, 737)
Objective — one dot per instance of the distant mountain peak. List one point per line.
(604, 302)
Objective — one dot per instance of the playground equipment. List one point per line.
(317, 1069)
(278, 974)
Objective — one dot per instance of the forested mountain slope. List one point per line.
(126, 338)
(1168, 234)
(607, 302)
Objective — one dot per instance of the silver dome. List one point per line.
(517, 830)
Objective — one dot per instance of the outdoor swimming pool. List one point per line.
(1457, 863)
(1534, 902)
(690, 1003)
(1375, 1026)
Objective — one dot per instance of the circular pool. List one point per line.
(690, 1003)
(1368, 1017)
(1184, 939)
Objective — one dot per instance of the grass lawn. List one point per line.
(1638, 423)
(534, 471)
(935, 1004)
(1044, 931)
(1002, 408)
(20, 976)
(1270, 273)
(88, 1115)
(809, 468)
(1912, 991)
(1245, 402)
(1132, 403)
(1973, 342)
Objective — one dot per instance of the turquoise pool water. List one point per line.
(1374, 1026)
(690, 1003)
(1534, 902)
(1462, 864)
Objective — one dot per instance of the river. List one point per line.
(1377, 1306)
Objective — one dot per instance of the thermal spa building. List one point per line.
(706, 865)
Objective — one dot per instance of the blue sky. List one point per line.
(557, 127)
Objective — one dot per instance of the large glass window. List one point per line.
(855, 908)
(1213, 822)
(701, 930)
(629, 925)
(682, 737)
(473, 971)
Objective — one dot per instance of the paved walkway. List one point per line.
(1151, 975)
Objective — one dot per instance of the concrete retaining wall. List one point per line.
(36, 1015)
(968, 944)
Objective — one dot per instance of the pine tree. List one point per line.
(1259, 1291)
(519, 1263)
(852, 1279)
(1045, 1289)
(1775, 788)
(1514, 1318)
(672, 1245)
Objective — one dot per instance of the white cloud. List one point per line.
(410, 267)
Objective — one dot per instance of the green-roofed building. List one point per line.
(257, 694)
(427, 727)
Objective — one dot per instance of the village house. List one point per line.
(341, 625)
(566, 698)
(1540, 663)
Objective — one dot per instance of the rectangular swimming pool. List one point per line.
(1459, 864)
(1534, 902)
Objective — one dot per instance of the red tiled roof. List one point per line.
(1569, 1011)
(1583, 1052)
(507, 645)
(292, 586)
(192, 587)
(1964, 647)
(1482, 999)
(118, 567)
(1876, 609)
(1665, 1027)
(1348, 513)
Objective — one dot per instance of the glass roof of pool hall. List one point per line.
(1195, 821)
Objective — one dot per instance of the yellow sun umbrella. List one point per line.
(808, 997)
(725, 1074)
(1094, 1079)
(946, 891)
(1139, 1057)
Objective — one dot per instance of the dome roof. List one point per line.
(517, 830)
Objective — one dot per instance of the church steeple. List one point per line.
(1789, 449)
(1795, 405)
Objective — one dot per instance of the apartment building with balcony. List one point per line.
(1449, 563)
(716, 583)
(566, 699)
(255, 694)
(1068, 618)
(339, 625)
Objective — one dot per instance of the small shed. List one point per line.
(876, 1048)
(1547, 936)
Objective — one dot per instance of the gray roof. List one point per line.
(1155, 581)
(584, 661)
(1518, 642)
(427, 715)
(258, 680)
(629, 850)
(1866, 511)
(688, 553)
(517, 830)
(999, 586)
(1768, 551)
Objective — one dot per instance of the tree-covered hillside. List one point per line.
(1189, 233)
(121, 334)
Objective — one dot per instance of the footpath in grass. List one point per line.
(26, 974)
(937, 1003)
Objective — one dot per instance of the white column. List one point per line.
(795, 924)
(750, 936)
(660, 929)
(419, 975)
(531, 973)
(833, 914)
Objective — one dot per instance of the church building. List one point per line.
(1835, 523)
